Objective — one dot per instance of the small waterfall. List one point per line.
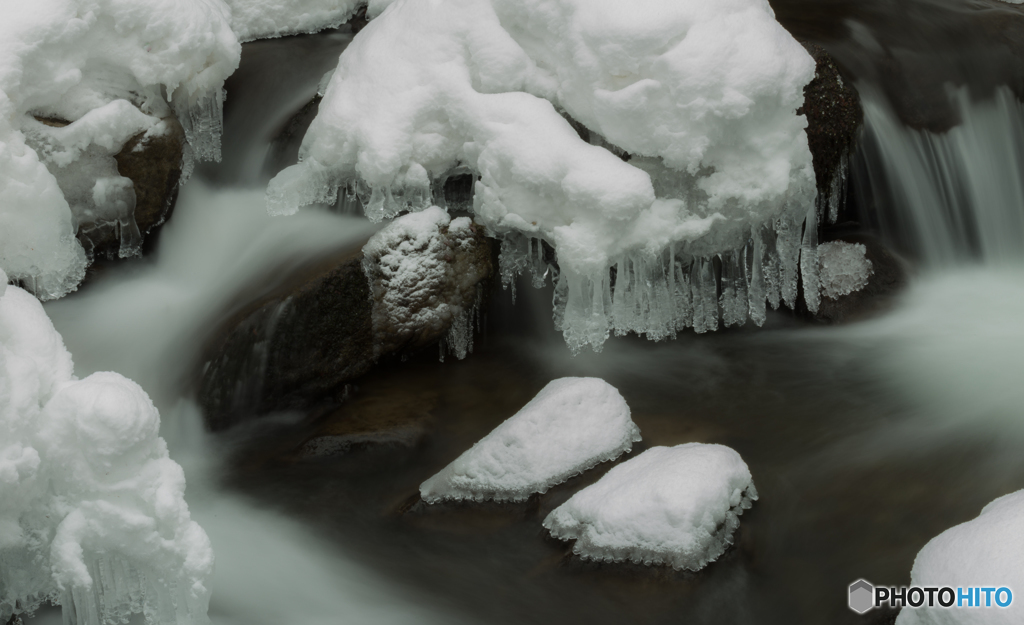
(948, 198)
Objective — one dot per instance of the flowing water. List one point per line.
(864, 441)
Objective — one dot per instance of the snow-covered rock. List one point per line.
(104, 66)
(572, 425)
(702, 95)
(986, 551)
(92, 508)
(260, 19)
(670, 505)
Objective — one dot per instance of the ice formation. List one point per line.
(105, 66)
(572, 425)
(424, 276)
(670, 505)
(843, 268)
(986, 551)
(92, 509)
(698, 97)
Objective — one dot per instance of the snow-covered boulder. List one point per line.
(104, 66)
(670, 505)
(92, 508)
(572, 425)
(702, 95)
(261, 19)
(412, 285)
(987, 551)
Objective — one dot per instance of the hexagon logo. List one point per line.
(861, 596)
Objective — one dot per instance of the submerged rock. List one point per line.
(330, 321)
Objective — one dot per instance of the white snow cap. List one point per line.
(570, 426)
(702, 94)
(843, 268)
(987, 551)
(260, 19)
(670, 505)
(92, 508)
(67, 58)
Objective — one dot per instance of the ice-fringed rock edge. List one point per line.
(92, 508)
(701, 96)
(670, 505)
(572, 425)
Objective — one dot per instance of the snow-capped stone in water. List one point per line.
(986, 551)
(843, 268)
(104, 66)
(670, 505)
(570, 426)
(260, 19)
(702, 95)
(92, 508)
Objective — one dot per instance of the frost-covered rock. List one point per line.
(670, 505)
(572, 425)
(986, 551)
(92, 508)
(104, 66)
(340, 312)
(703, 96)
(425, 272)
(843, 268)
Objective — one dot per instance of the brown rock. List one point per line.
(298, 345)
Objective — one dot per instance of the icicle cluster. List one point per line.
(662, 294)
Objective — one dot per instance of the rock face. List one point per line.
(334, 319)
(834, 115)
(154, 167)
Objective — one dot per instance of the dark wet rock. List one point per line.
(300, 344)
(154, 166)
(393, 418)
(834, 114)
(888, 278)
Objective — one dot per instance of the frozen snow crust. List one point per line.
(92, 509)
(260, 19)
(702, 95)
(844, 268)
(107, 66)
(987, 551)
(571, 425)
(670, 505)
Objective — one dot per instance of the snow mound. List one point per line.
(261, 19)
(843, 268)
(572, 425)
(92, 508)
(702, 95)
(89, 62)
(670, 505)
(986, 551)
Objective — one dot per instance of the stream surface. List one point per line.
(864, 441)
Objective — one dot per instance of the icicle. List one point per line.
(733, 300)
(809, 262)
(753, 258)
(788, 246)
(770, 268)
(202, 120)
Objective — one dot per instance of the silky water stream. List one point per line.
(864, 441)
